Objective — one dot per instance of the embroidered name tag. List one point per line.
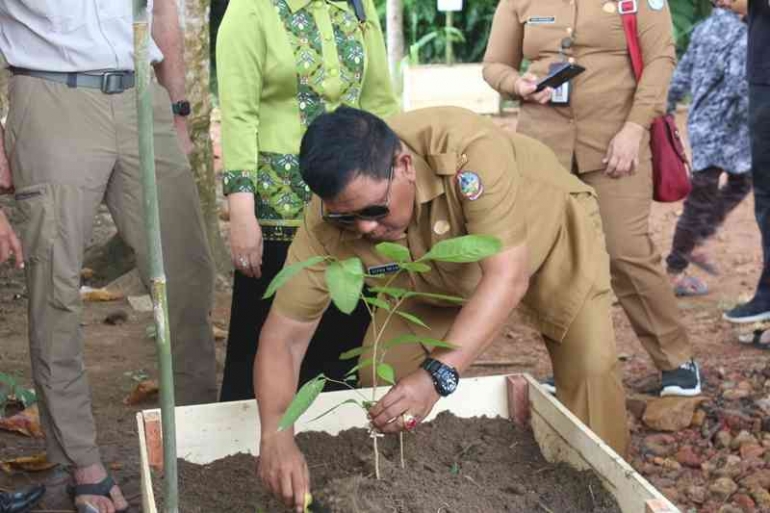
(383, 269)
(541, 20)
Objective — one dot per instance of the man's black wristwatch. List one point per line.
(445, 378)
(181, 108)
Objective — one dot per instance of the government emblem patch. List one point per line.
(470, 185)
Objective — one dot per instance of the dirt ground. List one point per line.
(118, 356)
(447, 463)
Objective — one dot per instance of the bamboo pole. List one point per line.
(157, 273)
(449, 56)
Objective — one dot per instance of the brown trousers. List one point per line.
(69, 150)
(638, 277)
(585, 363)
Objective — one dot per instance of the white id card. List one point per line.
(560, 94)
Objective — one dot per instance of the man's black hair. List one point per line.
(340, 145)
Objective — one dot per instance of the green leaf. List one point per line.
(345, 280)
(387, 373)
(362, 364)
(327, 412)
(468, 248)
(411, 318)
(26, 396)
(390, 291)
(414, 339)
(287, 272)
(352, 353)
(415, 267)
(379, 303)
(394, 251)
(302, 401)
(451, 299)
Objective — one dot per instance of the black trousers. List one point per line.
(759, 127)
(705, 209)
(336, 333)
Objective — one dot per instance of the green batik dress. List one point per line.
(281, 63)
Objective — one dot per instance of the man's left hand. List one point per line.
(413, 396)
(180, 123)
(622, 156)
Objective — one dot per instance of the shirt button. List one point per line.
(333, 72)
(328, 38)
(571, 60)
(569, 30)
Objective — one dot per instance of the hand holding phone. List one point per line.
(560, 74)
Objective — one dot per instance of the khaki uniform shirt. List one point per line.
(603, 97)
(528, 198)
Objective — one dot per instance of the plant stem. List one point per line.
(376, 460)
(401, 448)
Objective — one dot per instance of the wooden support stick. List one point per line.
(518, 400)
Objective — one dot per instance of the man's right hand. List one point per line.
(283, 470)
(245, 235)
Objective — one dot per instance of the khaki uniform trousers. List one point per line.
(585, 364)
(69, 150)
(638, 277)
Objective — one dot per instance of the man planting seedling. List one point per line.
(422, 178)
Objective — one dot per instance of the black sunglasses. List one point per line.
(370, 213)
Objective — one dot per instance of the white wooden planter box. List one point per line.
(209, 432)
(459, 85)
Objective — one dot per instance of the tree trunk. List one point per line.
(194, 17)
(394, 15)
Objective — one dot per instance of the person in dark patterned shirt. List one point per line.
(713, 72)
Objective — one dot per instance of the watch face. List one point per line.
(181, 108)
(446, 380)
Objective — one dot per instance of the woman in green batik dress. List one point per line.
(281, 63)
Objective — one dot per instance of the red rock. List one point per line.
(760, 478)
(724, 438)
(744, 502)
(723, 487)
(737, 420)
(670, 413)
(761, 497)
(659, 444)
(698, 418)
(751, 451)
(687, 456)
(697, 494)
(636, 404)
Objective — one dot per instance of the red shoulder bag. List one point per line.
(670, 167)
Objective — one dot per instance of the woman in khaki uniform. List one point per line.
(601, 133)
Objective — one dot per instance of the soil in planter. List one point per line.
(453, 465)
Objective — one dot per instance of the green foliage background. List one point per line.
(421, 17)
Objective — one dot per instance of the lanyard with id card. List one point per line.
(560, 94)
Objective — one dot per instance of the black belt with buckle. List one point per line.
(108, 82)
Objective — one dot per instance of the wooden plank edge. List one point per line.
(658, 506)
(148, 496)
(518, 399)
(153, 433)
(594, 451)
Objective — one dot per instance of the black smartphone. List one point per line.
(559, 75)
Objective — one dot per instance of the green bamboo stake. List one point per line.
(152, 228)
(449, 51)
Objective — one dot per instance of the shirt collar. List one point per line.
(296, 5)
(429, 185)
